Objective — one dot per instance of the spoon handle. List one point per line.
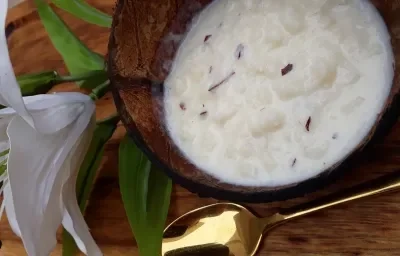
(377, 186)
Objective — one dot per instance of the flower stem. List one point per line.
(99, 91)
(80, 77)
(37, 83)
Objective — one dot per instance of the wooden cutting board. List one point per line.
(368, 227)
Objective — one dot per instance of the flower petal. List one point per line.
(56, 111)
(52, 112)
(37, 171)
(10, 93)
(35, 186)
(73, 220)
(9, 205)
(3, 130)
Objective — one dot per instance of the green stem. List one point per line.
(100, 91)
(80, 77)
(42, 82)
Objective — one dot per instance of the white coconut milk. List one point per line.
(267, 92)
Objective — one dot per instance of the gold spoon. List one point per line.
(232, 230)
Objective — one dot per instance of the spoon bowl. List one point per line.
(227, 224)
(227, 229)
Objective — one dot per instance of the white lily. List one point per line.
(47, 137)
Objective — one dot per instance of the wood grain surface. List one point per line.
(368, 227)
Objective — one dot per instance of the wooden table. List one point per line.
(370, 227)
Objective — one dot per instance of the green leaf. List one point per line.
(3, 164)
(87, 173)
(103, 132)
(77, 57)
(146, 196)
(84, 11)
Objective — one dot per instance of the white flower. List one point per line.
(47, 137)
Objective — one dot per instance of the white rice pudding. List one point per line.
(267, 92)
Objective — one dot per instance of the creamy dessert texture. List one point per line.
(267, 92)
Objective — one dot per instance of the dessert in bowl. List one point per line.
(253, 100)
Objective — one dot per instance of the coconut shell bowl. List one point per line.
(139, 61)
